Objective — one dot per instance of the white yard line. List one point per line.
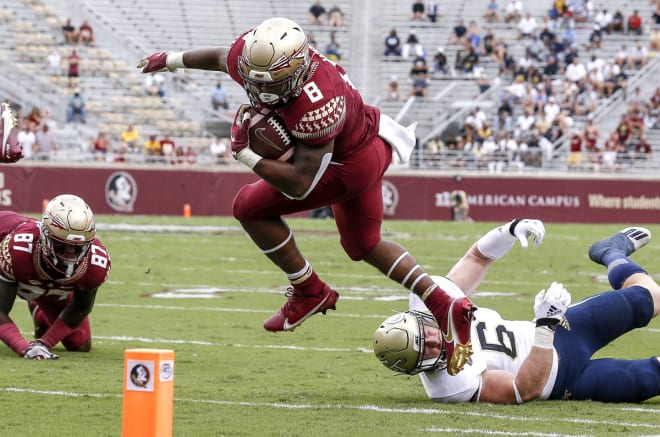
(373, 408)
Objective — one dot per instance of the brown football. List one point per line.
(268, 136)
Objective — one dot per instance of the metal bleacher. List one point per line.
(127, 30)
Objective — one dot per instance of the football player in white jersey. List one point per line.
(548, 358)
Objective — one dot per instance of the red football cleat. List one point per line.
(299, 307)
(454, 317)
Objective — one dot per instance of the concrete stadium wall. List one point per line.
(145, 191)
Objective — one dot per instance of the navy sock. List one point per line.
(620, 268)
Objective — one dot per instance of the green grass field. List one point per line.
(206, 295)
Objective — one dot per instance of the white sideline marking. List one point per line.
(507, 433)
(373, 408)
(208, 343)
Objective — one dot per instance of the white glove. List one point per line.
(525, 228)
(550, 306)
(499, 241)
(39, 351)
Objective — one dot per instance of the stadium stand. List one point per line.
(127, 30)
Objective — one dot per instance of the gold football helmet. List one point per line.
(67, 232)
(399, 343)
(274, 61)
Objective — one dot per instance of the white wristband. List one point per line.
(175, 60)
(543, 337)
(496, 243)
(248, 157)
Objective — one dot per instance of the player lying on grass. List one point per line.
(56, 264)
(549, 358)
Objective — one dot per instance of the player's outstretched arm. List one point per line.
(470, 270)
(203, 58)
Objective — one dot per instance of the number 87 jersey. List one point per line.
(27, 258)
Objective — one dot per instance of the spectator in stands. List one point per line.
(152, 149)
(635, 101)
(393, 90)
(654, 109)
(70, 32)
(568, 37)
(75, 109)
(182, 79)
(392, 44)
(488, 42)
(654, 40)
(470, 60)
(635, 23)
(45, 143)
(73, 72)
(575, 149)
(623, 130)
(586, 101)
(47, 118)
(524, 124)
(129, 138)
(440, 62)
(219, 97)
(576, 72)
(333, 49)
(618, 23)
(621, 57)
(595, 38)
(590, 134)
(418, 11)
(100, 146)
(433, 11)
(190, 156)
(412, 46)
(317, 13)
(335, 16)
(604, 19)
(28, 139)
(220, 151)
(86, 34)
(527, 26)
(473, 37)
(642, 149)
(54, 63)
(34, 116)
(492, 13)
(419, 86)
(168, 148)
(513, 11)
(154, 84)
(459, 33)
(639, 56)
(418, 66)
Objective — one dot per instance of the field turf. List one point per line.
(204, 291)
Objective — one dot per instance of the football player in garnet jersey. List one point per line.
(342, 149)
(57, 265)
(516, 361)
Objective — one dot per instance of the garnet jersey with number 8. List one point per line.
(19, 261)
(328, 107)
